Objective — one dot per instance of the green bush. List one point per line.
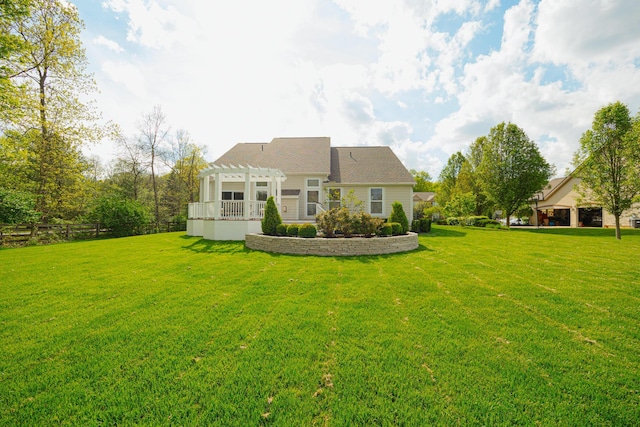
(415, 225)
(396, 228)
(292, 230)
(366, 224)
(398, 215)
(307, 230)
(488, 222)
(385, 230)
(453, 221)
(281, 229)
(125, 217)
(475, 221)
(17, 207)
(328, 222)
(271, 217)
(425, 225)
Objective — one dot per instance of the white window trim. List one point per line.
(381, 214)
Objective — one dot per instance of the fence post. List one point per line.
(97, 230)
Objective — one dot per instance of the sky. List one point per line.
(423, 77)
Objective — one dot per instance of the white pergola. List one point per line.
(246, 174)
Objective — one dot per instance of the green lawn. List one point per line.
(477, 327)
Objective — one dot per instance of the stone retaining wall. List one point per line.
(332, 247)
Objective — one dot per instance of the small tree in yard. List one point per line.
(398, 215)
(271, 218)
(608, 160)
(512, 168)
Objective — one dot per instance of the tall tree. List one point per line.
(449, 177)
(186, 160)
(608, 160)
(154, 130)
(51, 70)
(512, 168)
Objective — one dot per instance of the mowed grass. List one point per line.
(476, 327)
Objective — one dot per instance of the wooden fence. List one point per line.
(20, 233)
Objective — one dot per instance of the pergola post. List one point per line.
(248, 200)
(217, 191)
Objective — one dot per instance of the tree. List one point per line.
(449, 177)
(398, 215)
(271, 218)
(461, 205)
(512, 168)
(54, 124)
(153, 133)
(608, 160)
(423, 181)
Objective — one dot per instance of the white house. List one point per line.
(305, 176)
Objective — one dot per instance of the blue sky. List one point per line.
(424, 77)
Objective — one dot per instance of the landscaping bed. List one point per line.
(352, 246)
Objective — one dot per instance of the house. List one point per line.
(305, 176)
(558, 205)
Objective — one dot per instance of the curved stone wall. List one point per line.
(332, 247)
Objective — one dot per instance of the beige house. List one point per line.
(557, 205)
(305, 176)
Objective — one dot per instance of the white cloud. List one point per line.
(363, 72)
(110, 44)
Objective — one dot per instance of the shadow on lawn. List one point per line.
(446, 231)
(216, 246)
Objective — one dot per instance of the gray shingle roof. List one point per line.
(351, 165)
(367, 165)
(290, 155)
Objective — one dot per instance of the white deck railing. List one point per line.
(229, 209)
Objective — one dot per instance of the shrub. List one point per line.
(425, 225)
(366, 224)
(17, 207)
(385, 230)
(125, 217)
(453, 221)
(475, 221)
(307, 230)
(271, 217)
(292, 230)
(396, 228)
(398, 215)
(415, 225)
(281, 229)
(327, 222)
(488, 222)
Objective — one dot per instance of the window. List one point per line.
(334, 196)
(313, 195)
(261, 184)
(232, 195)
(312, 199)
(375, 200)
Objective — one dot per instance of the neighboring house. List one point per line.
(557, 205)
(305, 176)
(427, 197)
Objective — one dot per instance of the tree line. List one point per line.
(45, 123)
